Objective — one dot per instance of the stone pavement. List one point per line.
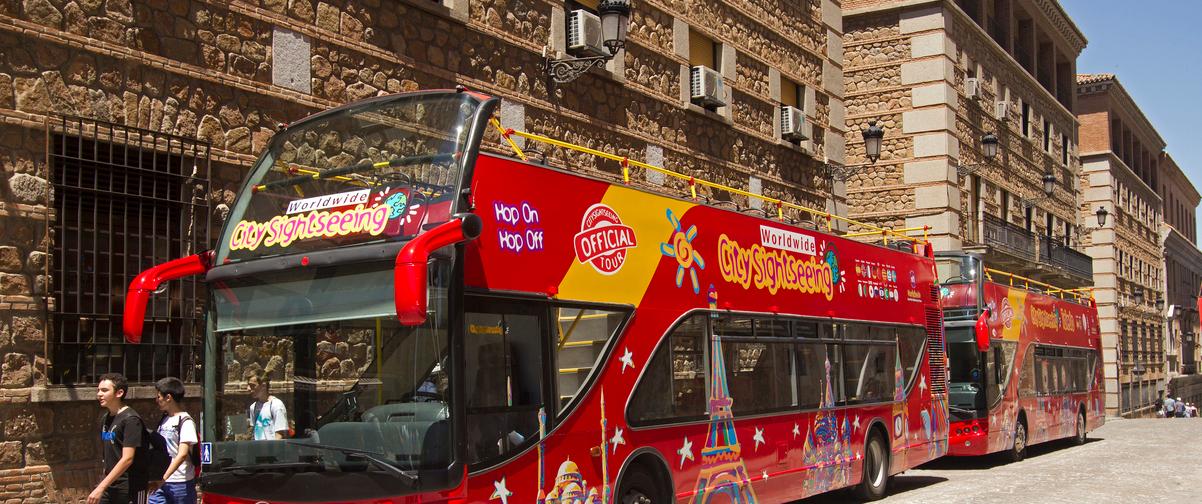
(1125, 461)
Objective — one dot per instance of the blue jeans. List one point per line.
(183, 492)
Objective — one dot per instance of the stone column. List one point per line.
(835, 146)
(931, 123)
(1097, 192)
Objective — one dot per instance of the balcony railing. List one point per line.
(1053, 253)
(1008, 238)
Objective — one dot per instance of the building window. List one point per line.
(123, 208)
(1047, 136)
(1026, 120)
(792, 94)
(1064, 149)
(703, 51)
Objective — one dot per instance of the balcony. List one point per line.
(1007, 238)
(1055, 254)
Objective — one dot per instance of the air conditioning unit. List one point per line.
(584, 34)
(1003, 109)
(707, 87)
(793, 124)
(972, 88)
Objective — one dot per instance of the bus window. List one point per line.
(811, 369)
(759, 371)
(502, 348)
(580, 338)
(868, 372)
(673, 386)
(834, 355)
(805, 329)
(910, 343)
(1026, 378)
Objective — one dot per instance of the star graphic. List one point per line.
(627, 360)
(758, 437)
(856, 424)
(796, 430)
(923, 384)
(765, 474)
(616, 440)
(501, 492)
(685, 452)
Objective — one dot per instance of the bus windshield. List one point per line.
(957, 269)
(966, 387)
(385, 169)
(353, 391)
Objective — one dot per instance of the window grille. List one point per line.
(125, 199)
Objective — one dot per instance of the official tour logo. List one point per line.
(603, 239)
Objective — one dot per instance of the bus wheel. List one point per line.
(1019, 451)
(638, 487)
(1079, 439)
(876, 469)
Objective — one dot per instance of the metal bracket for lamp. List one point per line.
(838, 172)
(967, 170)
(565, 70)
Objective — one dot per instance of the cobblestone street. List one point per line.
(1160, 463)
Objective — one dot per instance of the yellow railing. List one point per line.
(1045, 288)
(781, 205)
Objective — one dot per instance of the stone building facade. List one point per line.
(201, 85)
(1123, 166)
(1183, 278)
(940, 75)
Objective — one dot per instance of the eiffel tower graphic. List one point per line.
(722, 470)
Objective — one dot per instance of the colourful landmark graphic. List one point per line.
(570, 486)
(723, 476)
(827, 452)
(900, 420)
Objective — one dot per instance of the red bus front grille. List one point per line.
(935, 348)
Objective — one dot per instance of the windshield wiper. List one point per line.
(958, 409)
(373, 457)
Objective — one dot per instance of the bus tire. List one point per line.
(1079, 439)
(639, 487)
(875, 478)
(1019, 450)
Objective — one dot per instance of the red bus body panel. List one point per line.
(1030, 318)
(554, 212)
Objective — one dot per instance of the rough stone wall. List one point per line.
(874, 51)
(206, 69)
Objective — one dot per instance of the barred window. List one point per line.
(125, 199)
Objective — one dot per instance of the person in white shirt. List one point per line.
(267, 416)
(179, 430)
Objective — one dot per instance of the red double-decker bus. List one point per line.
(440, 324)
(1024, 360)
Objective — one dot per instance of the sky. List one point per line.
(1152, 47)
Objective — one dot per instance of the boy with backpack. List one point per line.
(178, 430)
(123, 453)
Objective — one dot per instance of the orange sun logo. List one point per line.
(680, 247)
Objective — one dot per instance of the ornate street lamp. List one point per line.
(1102, 213)
(989, 145)
(872, 140)
(615, 23)
(872, 148)
(1049, 183)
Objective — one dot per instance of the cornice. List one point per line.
(1111, 86)
(1054, 13)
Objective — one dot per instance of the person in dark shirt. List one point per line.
(124, 447)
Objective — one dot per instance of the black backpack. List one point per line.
(160, 459)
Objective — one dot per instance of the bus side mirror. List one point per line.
(981, 331)
(147, 282)
(409, 287)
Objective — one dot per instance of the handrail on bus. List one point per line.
(1046, 288)
(693, 182)
(409, 286)
(147, 282)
